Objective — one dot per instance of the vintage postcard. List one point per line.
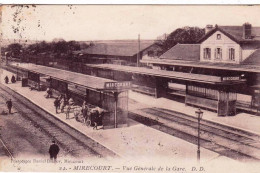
(130, 88)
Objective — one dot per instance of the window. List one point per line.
(218, 36)
(218, 53)
(207, 53)
(231, 54)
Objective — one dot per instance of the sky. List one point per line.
(116, 22)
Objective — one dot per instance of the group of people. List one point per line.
(84, 114)
(13, 80)
(89, 116)
(61, 102)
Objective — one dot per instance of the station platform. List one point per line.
(244, 121)
(136, 142)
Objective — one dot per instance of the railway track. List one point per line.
(6, 150)
(227, 141)
(72, 141)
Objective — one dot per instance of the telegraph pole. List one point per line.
(138, 53)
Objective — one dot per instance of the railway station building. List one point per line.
(230, 52)
(117, 52)
(222, 68)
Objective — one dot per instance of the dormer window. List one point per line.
(218, 36)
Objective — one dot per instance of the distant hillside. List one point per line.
(116, 41)
(6, 42)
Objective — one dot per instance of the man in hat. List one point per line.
(9, 105)
(6, 79)
(13, 80)
(53, 151)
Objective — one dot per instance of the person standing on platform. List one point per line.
(71, 101)
(65, 99)
(59, 98)
(62, 104)
(69, 106)
(49, 93)
(53, 151)
(68, 111)
(13, 79)
(84, 110)
(56, 104)
(6, 79)
(9, 105)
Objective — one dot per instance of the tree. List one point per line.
(14, 49)
(185, 35)
(58, 48)
(44, 47)
(72, 46)
(83, 45)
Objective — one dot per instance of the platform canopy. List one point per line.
(250, 67)
(199, 78)
(90, 82)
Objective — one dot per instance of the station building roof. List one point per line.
(185, 52)
(115, 48)
(253, 59)
(199, 78)
(87, 81)
(235, 33)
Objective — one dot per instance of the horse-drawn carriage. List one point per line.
(91, 115)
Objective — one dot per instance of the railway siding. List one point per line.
(219, 140)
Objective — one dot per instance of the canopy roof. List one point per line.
(199, 78)
(87, 81)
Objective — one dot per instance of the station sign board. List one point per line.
(118, 85)
(230, 78)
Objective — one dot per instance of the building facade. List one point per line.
(220, 48)
(229, 52)
(229, 44)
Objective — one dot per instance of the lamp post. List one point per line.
(199, 115)
(17, 72)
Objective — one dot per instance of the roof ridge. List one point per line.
(189, 44)
(231, 25)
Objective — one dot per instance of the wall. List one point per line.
(157, 51)
(224, 43)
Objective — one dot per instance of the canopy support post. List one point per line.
(116, 99)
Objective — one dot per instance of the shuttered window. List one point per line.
(231, 54)
(218, 53)
(207, 53)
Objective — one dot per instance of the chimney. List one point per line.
(208, 28)
(247, 28)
